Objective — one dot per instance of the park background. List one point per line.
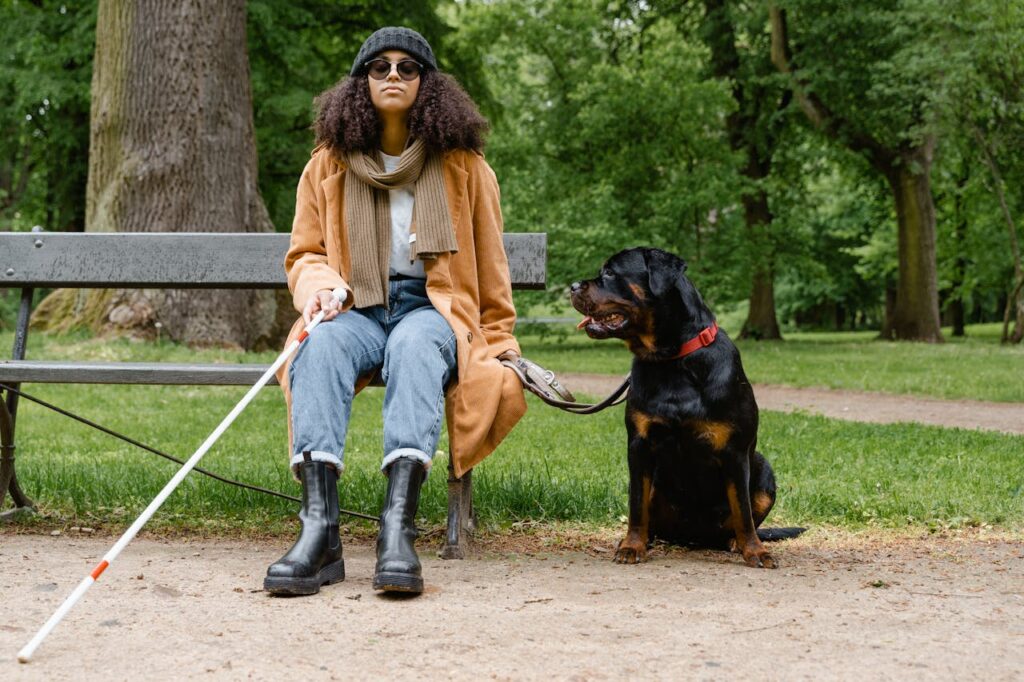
(845, 181)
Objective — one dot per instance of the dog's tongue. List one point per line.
(584, 322)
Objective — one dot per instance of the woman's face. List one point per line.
(392, 94)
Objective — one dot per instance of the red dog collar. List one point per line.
(705, 338)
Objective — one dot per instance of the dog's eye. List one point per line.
(607, 274)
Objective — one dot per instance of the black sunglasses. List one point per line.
(379, 69)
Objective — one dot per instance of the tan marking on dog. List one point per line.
(641, 531)
(633, 548)
(638, 291)
(754, 553)
(735, 516)
(715, 433)
(642, 422)
(761, 503)
(644, 343)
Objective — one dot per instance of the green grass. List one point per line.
(553, 467)
(976, 367)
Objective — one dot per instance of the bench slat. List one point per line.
(189, 260)
(61, 372)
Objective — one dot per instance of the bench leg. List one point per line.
(8, 411)
(8, 478)
(461, 520)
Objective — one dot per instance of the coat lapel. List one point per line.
(439, 278)
(334, 219)
(456, 182)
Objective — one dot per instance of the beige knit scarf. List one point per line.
(368, 212)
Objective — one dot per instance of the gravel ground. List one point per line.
(841, 606)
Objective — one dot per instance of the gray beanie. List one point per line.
(395, 38)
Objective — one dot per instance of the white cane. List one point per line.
(25, 655)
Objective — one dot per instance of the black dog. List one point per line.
(695, 477)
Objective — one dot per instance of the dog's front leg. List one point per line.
(633, 548)
(736, 465)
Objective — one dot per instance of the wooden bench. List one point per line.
(176, 261)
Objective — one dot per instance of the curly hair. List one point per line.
(443, 115)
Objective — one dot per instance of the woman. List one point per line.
(397, 209)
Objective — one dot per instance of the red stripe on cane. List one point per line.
(303, 335)
(102, 566)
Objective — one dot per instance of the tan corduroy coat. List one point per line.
(471, 289)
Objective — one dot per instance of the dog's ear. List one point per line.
(665, 271)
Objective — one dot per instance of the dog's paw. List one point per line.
(759, 559)
(630, 553)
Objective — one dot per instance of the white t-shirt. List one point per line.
(401, 219)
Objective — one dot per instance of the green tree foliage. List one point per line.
(864, 76)
(983, 99)
(45, 71)
(609, 135)
(840, 252)
(739, 46)
(611, 129)
(297, 50)
(956, 59)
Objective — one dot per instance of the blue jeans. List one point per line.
(413, 347)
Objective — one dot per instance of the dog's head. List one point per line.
(638, 296)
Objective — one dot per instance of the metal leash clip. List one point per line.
(542, 383)
(539, 380)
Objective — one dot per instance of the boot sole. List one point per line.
(328, 575)
(398, 582)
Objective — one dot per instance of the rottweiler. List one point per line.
(695, 476)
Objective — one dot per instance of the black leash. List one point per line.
(153, 450)
(539, 381)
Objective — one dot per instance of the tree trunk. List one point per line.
(888, 313)
(916, 313)
(956, 304)
(752, 103)
(172, 148)
(762, 322)
(956, 314)
(1014, 308)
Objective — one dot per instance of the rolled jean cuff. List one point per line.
(411, 453)
(318, 456)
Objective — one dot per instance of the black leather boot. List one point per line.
(398, 567)
(315, 559)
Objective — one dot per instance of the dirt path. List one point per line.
(841, 607)
(881, 408)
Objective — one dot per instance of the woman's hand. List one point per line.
(322, 300)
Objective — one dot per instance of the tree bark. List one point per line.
(888, 313)
(172, 148)
(956, 304)
(916, 315)
(762, 322)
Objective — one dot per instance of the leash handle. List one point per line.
(538, 380)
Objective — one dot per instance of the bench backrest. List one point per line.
(188, 260)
